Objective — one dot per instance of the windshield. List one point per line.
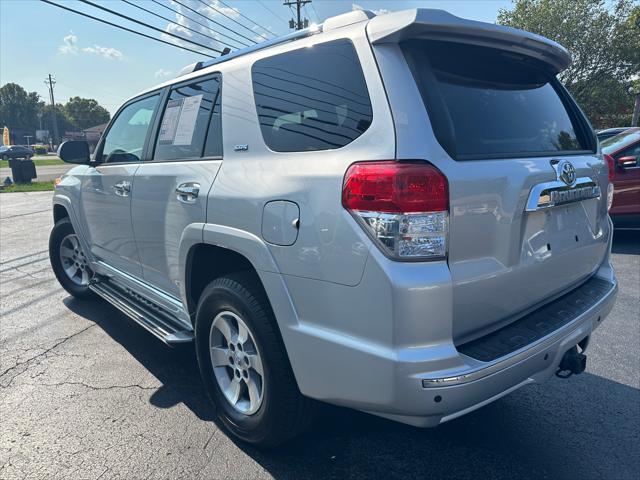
(613, 144)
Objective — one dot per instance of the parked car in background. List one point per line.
(401, 214)
(610, 132)
(15, 151)
(622, 153)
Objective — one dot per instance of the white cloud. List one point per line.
(380, 11)
(162, 73)
(106, 52)
(70, 46)
(200, 26)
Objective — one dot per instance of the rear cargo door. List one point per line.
(528, 218)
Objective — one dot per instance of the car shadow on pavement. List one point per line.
(584, 427)
(626, 242)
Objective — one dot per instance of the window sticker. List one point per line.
(170, 121)
(187, 121)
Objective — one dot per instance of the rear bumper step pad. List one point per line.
(538, 323)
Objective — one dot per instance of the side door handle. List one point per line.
(188, 192)
(122, 188)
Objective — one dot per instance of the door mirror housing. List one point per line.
(74, 151)
(628, 162)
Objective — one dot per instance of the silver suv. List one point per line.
(404, 214)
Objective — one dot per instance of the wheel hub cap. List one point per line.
(236, 361)
(74, 262)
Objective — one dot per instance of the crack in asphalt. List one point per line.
(93, 387)
(25, 214)
(11, 260)
(27, 363)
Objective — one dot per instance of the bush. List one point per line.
(40, 149)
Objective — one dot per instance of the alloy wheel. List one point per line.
(236, 362)
(74, 262)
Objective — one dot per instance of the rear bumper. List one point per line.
(345, 350)
(450, 394)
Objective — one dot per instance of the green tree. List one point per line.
(64, 124)
(18, 108)
(85, 112)
(604, 42)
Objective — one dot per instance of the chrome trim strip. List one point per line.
(481, 369)
(555, 193)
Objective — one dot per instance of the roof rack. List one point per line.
(298, 34)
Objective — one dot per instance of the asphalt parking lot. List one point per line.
(85, 393)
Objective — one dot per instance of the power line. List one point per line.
(176, 23)
(272, 12)
(199, 23)
(125, 28)
(299, 23)
(217, 23)
(244, 16)
(233, 20)
(126, 17)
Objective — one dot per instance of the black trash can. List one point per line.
(22, 171)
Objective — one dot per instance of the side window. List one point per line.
(185, 121)
(312, 98)
(633, 151)
(125, 139)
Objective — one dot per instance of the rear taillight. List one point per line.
(403, 206)
(611, 166)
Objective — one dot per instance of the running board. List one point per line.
(156, 322)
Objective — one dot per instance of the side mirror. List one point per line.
(628, 162)
(74, 151)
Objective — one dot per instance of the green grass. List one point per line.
(27, 187)
(39, 161)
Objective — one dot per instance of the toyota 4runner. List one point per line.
(403, 214)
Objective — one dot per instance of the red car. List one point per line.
(622, 153)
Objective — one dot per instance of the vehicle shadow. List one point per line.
(626, 242)
(584, 427)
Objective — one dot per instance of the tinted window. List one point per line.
(613, 144)
(126, 136)
(486, 103)
(311, 99)
(185, 121)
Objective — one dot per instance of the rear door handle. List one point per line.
(122, 188)
(188, 192)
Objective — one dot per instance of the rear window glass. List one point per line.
(485, 103)
(613, 144)
(311, 99)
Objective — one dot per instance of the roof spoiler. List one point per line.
(440, 25)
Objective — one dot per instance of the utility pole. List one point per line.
(50, 82)
(300, 23)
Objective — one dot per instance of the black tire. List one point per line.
(61, 229)
(284, 411)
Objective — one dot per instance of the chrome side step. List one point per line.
(158, 323)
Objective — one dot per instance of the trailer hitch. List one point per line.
(573, 363)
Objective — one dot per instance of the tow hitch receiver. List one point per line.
(573, 362)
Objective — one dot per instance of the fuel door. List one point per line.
(280, 222)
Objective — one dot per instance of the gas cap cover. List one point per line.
(280, 222)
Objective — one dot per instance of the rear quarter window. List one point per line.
(313, 98)
(484, 103)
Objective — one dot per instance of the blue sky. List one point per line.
(98, 61)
